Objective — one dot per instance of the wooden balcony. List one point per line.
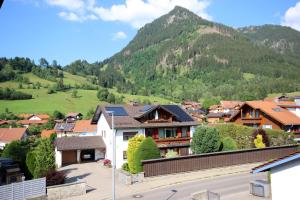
(251, 120)
(185, 140)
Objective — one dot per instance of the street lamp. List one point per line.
(114, 155)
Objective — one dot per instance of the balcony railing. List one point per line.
(184, 140)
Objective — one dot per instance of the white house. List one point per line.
(285, 176)
(169, 125)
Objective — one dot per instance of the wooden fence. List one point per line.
(156, 167)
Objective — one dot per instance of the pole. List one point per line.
(114, 157)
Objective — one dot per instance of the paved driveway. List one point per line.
(98, 180)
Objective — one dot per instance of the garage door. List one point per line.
(69, 157)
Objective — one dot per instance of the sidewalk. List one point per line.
(102, 185)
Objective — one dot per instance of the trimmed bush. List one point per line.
(133, 145)
(205, 140)
(171, 154)
(228, 144)
(125, 167)
(147, 150)
(258, 141)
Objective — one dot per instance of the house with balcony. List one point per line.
(169, 125)
(266, 114)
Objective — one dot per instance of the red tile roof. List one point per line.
(47, 133)
(11, 134)
(231, 104)
(281, 115)
(84, 126)
(28, 116)
(29, 122)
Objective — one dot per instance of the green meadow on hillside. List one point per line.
(43, 102)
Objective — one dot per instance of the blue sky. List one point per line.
(66, 30)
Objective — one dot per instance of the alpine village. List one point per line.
(189, 109)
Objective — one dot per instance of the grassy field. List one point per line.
(62, 101)
(288, 94)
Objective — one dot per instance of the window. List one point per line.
(257, 113)
(161, 133)
(171, 132)
(124, 155)
(128, 135)
(184, 132)
(267, 126)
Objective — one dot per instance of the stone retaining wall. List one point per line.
(66, 190)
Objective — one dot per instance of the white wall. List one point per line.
(34, 118)
(58, 158)
(2, 145)
(123, 145)
(285, 181)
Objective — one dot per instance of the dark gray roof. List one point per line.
(215, 115)
(79, 143)
(133, 113)
(67, 127)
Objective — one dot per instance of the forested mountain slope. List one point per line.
(181, 55)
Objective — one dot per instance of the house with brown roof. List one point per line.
(266, 114)
(47, 133)
(85, 128)
(170, 126)
(33, 119)
(73, 116)
(8, 135)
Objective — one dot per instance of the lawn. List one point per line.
(288, 94)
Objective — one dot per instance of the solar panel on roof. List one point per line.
(118, 111)
(146, 108)
(183, 116)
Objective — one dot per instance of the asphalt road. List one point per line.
(232, 187)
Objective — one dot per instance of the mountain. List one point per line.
(180, 56)
(282, 39)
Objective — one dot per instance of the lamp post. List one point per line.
(114, 155)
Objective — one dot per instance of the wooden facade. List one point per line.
(249, 116)
(164, 166)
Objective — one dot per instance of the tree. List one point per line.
(102, 94)
(264, 138)
(228, 144)
(31, 162)
(111, 98)
(146, 150)
(74, 93)
(43, 62)
(45, 159)
(133, 145)
(90, 113)
(205, 140)
(60, 84)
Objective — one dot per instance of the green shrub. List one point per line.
(228, 144)
(243, 135)
(260, 138)
(31, 162)
(133, 145)
(147, 150)
(125, 167)
(205, 140)
(171, 154)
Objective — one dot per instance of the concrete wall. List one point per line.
(66, 190)
(58, 158)
(285, 181)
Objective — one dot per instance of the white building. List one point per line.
(285, 176)
(169, 125)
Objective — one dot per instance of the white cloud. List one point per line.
(292, 17)
(119, 35)
(139, 12)
(134, 12)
